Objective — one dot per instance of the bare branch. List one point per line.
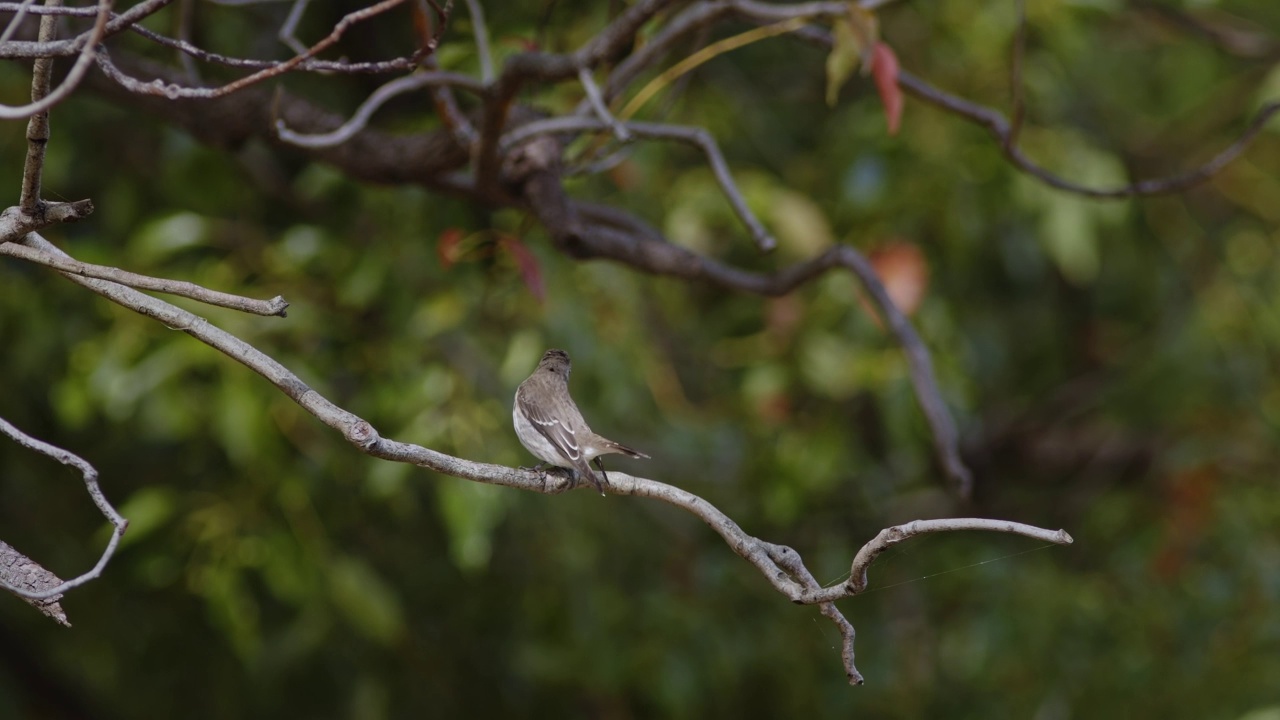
(371, 155)
(174, 91)
(274, 307)
(186, 17)
(999, 127)
(38, 125)
(18, 570)
(889, 537)
(76, 45)
(1005, 132)
(697, 137)
(481, 32)
(19, 14)
(371, 105)
(549, 68)
(183, 46)
(288, 30)
(95, 493)
(14, 223)
(69, 83)
(619, 130)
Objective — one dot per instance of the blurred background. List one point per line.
(1112, 367)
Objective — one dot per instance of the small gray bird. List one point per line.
(550, 426)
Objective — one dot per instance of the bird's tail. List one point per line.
(624, 450)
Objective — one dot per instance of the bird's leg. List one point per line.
(602, 472)
(543, 474)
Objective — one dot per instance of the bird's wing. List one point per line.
(554, 429)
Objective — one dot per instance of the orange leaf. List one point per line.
(884, 69)
(904, 271)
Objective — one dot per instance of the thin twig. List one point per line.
(95, 493)
(999, 127)
(276, 306)
(548, 68)
(75, 46)
(174, 91)
(360, 119)
(481, 32)
(289, 29)
(186, 13)
(695, 136)
(620, 132)
(73, 78)
(191, 51)
(19, 14)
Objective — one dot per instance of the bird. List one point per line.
(550, 426)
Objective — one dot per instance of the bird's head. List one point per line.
(556, 361)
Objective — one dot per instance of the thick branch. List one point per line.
(19, 571)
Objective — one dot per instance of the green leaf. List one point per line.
(147, 510)
(366, 599)
(854, 35)
(470, 512)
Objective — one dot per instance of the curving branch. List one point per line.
(360, 119)
(781, 566)
(695, 136)
(34, 585)
(1005, 133)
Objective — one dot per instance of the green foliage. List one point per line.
(1112, 367)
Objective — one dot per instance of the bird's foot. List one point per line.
(555, 480)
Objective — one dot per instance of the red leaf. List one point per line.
(447, 246)
(884, 69)
(528, 265)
